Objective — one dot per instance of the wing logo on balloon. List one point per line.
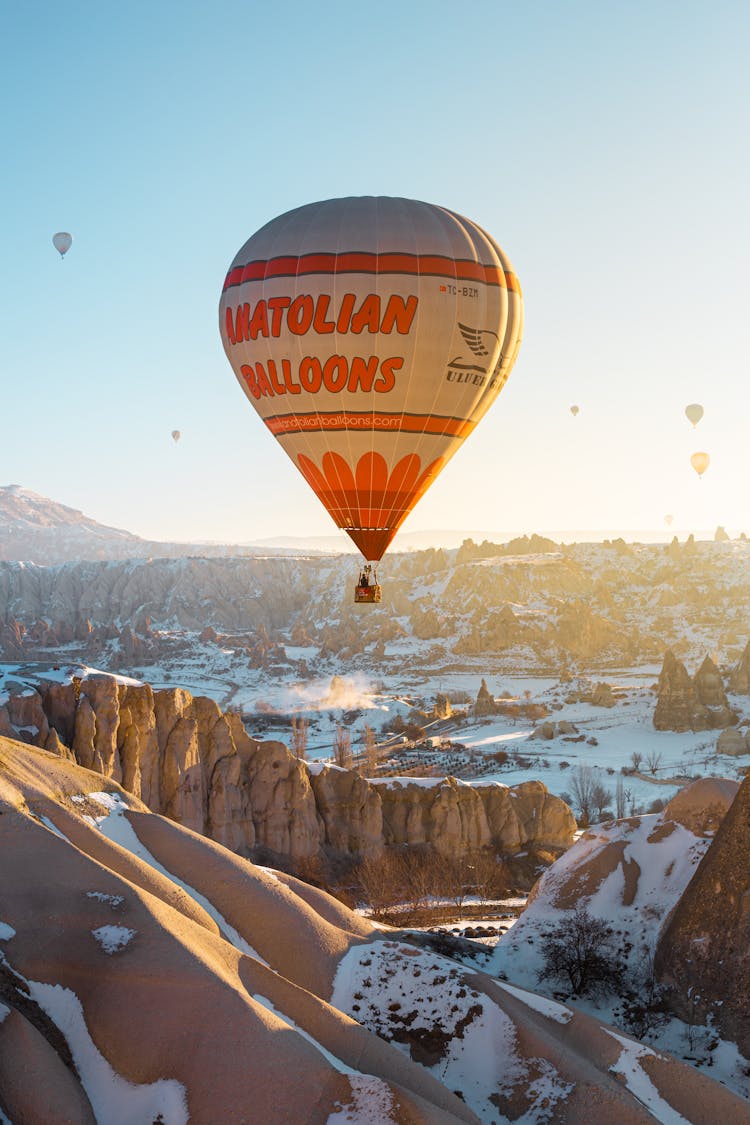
(473, 338)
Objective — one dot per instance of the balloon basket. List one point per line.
(367, 594)
(367, 591)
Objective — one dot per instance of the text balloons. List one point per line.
(700, 462)
(62, 242)
(694, 412)
(371, 335)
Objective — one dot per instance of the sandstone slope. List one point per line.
(149, 974)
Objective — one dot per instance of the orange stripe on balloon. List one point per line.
(281, 424)
(419, 265)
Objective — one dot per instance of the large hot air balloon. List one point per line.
(176, 435)
(574, 411)
(694, 412)
(62, 242)
(371, 335)
(700, 462)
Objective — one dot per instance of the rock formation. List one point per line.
(186, 759)
(733, 741)
(709, 688)
(485, 701)
(551, 729)
(455, 817)
(739, 680)
(704, 952)
(691, 704)
(603, 696)
(585, 634)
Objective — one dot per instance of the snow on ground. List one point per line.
(31, 674)
(112, 939)
(638, 1082)
(113, 900)
(371, 1104)
(634, 896)
(116, 827)
(113, 1099)
(470, 1043)
(549, 1008)
(649, 868)
(6, 932)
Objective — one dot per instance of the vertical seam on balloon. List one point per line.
(399, 448)
(329, 437)
(314, 215)
(337, 351)
(435, 213)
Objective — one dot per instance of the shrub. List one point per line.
(581, 952)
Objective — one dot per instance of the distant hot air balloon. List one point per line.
(574, 411)
(700, 462)
(669, 520)
(176, 435)
(694, 412)
(371, 335)
(62, 242)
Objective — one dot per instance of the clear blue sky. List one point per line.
(605, 146)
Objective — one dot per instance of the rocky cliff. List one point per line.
(691, 703)
(739, 680)
(186, 759)
(703, 953)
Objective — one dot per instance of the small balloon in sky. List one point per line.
(62, 242)
(700, 462)
(669, 520)
(176, 435)
(574, 411)
(694, 412)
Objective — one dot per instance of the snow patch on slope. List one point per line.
(112, 1098)
(116, 827)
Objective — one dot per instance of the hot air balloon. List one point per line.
(669, 520)
(371, 334)
(574, 411)
(694, 412)
(700, 462)
(62, 242)
(176, 435)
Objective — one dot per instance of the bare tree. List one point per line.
(489, 874)
(601, 797)
(299, 736)
(369, 764)
(636, 758)
(581, 951)
(620, 798)
(653, 761)
(582, 781)
(381, 879)
(342, 748)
